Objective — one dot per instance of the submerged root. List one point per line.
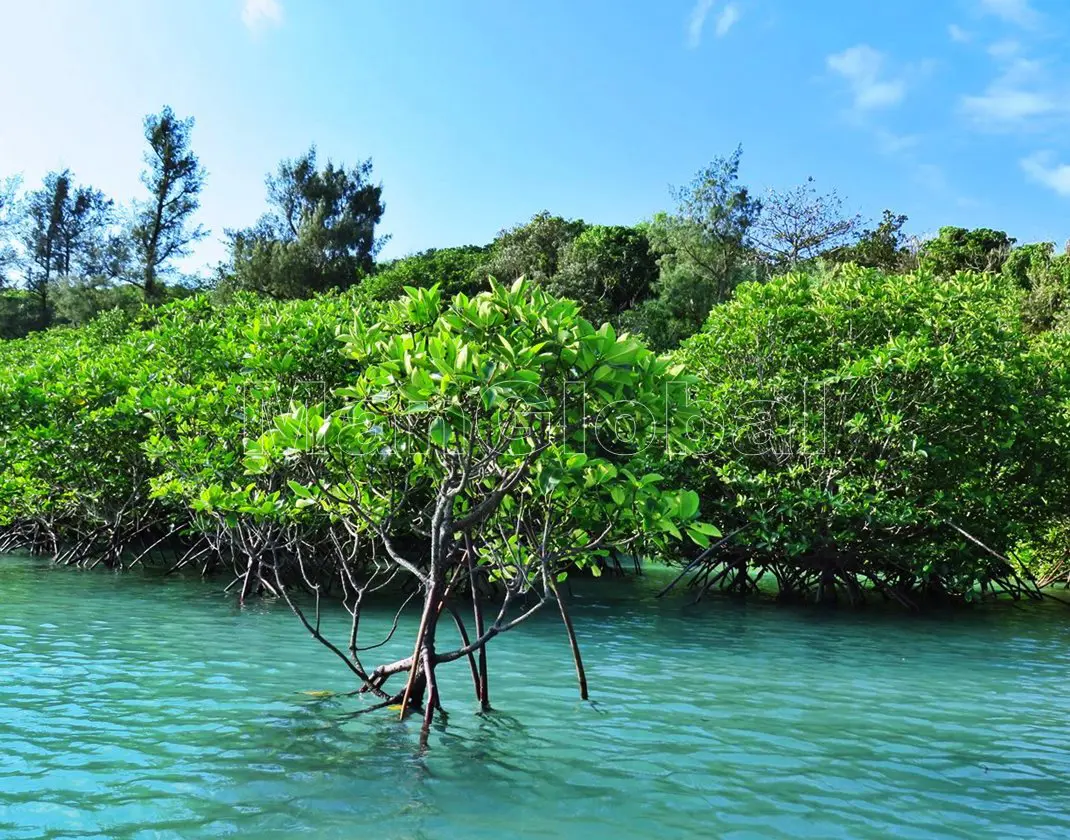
(833, 580)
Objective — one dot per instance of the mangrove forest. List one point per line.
(745, 402)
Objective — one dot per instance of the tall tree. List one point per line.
(704, 251)
(8, 223)
(799, 224)
(534, 249)
(710, 233)
(957, 249)
(163, 226)
(83, 231)
(319, 233)
(718, 205)
(608, 269)
(41, 234)
(885, 246)
(63, 230)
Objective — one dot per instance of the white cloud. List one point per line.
(890, 143)
(1005, 50)
(698, 20)
(1003, 106)
(1043, 169)
(727, 19)
(1018, 12)
(862, 67)
(1017, 96)
(260, 14)
(959, 35)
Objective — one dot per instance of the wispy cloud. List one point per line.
(261, 14)
(698, 20)
(727, 18)
(1044, 170)
(1006, 106)
(862, 67)
(959, 35)
(1005, 50)
(873, 90)
(1020, 94)
(890, 143)
(1018, 12)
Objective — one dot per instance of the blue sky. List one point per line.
(478, 114)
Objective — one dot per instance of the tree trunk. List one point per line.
(428, 620)
(581, 674)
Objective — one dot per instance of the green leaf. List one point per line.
(440, 432)
(689, 504)
(299, 490)
(576, 461)
(699, 538)
(705, 528)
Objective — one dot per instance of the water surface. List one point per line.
(135, 708)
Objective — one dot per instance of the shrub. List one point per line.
(897, 430)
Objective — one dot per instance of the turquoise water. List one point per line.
(135, 708)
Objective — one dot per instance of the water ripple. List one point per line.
(131, 708)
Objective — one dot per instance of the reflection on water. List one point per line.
(135, 708)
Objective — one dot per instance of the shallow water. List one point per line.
(131, 707)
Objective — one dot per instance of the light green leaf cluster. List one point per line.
(850, 415)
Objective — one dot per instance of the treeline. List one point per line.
(763, 391)
(68, 252)
(662, 277)
(840, 434)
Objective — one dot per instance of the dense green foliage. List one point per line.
(453, 270)
(854, 422)
(957, 249)
(535, 250)
(107, 432)
(608, 270)
(484, 430)
(502, 403)
(19, 314)
(319, 235)
(476, 438)
(889, 416)
(859, 425)
(1046, 276)
(885, 247)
